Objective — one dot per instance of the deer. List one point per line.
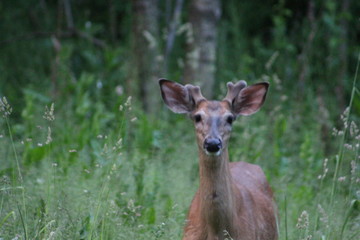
(234, 199)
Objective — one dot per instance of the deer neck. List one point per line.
(217, 194)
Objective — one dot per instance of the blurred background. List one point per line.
(89, 151)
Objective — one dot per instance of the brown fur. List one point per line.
(252, 212)
(234, 200)
(232, 197)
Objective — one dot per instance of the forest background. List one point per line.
(89, 151)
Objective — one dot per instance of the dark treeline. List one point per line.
(306, 47)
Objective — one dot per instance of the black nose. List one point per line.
(212, 145)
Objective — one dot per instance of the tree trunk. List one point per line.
(201, 46)
(343, 54)
(145, 50)
(172, 32)
(307, 48)
(112, 20)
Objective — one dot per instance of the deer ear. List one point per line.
(250, 99)
(176, 96)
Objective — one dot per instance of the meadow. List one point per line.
(81, 159)
(79, 170)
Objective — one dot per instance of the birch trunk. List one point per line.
(201, 46)
(146, 52)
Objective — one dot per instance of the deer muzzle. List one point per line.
(212, 146)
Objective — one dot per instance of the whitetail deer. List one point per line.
(234, 199)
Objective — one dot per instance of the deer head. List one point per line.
(213, 119)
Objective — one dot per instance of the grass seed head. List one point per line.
(303, 220)
(49, 113)
(128, 102)
(325, 169)
(48, 138)
(5, 107)
(324, 218)
(345, 116)
(354, 130)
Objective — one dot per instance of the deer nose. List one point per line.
(212, 145)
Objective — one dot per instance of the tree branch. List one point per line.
(63, 34)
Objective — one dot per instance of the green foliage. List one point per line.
(103, 169)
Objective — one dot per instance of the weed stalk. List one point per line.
(340, 156)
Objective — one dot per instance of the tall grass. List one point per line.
(100, 172)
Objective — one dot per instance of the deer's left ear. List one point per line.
(250, 99)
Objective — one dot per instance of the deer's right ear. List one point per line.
(176, 96)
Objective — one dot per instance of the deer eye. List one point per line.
(197, 118)
(230, 119)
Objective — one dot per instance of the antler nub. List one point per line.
(195, 92)
(233, 90)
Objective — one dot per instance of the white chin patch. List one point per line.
(212, 154)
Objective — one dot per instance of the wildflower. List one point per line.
(342, 179)
(119, 90)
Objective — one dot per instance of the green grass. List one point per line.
(90, 171)
(102, 169)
